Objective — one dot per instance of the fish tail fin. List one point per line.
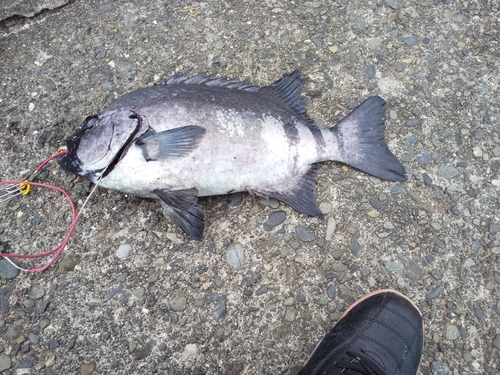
(361, 143)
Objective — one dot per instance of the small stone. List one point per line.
(436, 226)
(325, 207)
(427, 179)
(26, 362)
(437, 274)
(396, 190)
(413, 123)
(439, 368)
(331, 225)
(178, 303)
(478, 153)
(262, 290)
(425, 157)
(333, 49)
(410, 41)
(274, 219)
(235, 256)
(494, 229)
(393, 266)
(290, 314)
(496, 342)
(373, 213)
(5, 362)
(448, 172)
(34, 339)
(36, 293)
(88, 368)
(190, 350)
(365, 272)
(52, 344)
(304, 235)
(452, 332)
(5, 297)
(7, 270)
(436, 292)
(123, 251)
(139, 292)
(331, 292)
(29, 303)
(114, 292)
(219, 309)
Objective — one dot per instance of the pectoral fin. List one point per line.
(170, 143)
(182, 207)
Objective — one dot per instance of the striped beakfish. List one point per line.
(197, 136)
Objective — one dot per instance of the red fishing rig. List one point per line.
(13, 188)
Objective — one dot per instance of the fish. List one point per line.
(201, 135)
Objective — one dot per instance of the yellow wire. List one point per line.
(25, 188)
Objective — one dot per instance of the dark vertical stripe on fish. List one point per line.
(318, 136)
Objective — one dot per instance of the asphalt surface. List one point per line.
(265, 283)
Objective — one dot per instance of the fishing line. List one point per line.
(23, 188)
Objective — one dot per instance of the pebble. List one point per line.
(5, 362)
(290, 314)
(452, 332)
(5, 297)
(331, 292)
(494, 229)
(123, 251)
(373, 213)
(303, 234)
(437, 274)
(436, 292)
(34, 339)
(114, 292)
(178, 303)
(274, 219)
(393, 266)
(88, 368)
(52, 344)
(425, 157)
(496, 342)
(410, 41)
(331, 225)
(325, 207)
(235, 256)
(448, 172)
(262, 290)
(7, 270)
(29, 303)
(190, 350)
(439, 368)
(427, 179)
(219, 309)
(27, 361)
(36, 293)
(139, 292)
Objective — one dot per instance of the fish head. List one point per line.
(98, 143)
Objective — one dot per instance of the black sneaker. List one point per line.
(379, 334)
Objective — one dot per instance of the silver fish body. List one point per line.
(202, 135)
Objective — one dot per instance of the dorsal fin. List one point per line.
(286, 92)
(209, 80)
(289, 89)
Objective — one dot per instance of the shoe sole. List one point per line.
(380, 291)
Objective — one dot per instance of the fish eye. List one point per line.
(90, 122)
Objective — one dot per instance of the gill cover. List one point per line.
(103, 137)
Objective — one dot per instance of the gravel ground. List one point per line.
(132, 294)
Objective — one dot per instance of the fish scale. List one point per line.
(203, 135)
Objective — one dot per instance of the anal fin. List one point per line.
(301, 197)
